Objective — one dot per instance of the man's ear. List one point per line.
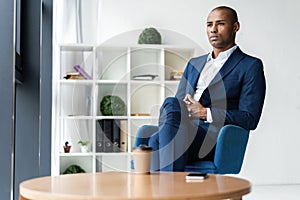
(236, 26)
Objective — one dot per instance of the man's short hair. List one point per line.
(232, 12)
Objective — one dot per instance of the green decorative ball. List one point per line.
(74, 169)
(149, 36)
(112, 106)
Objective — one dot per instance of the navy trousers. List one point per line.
(178, 139)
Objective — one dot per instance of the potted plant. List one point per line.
(84, 146)
(67, 147)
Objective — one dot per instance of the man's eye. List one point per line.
(209, 25)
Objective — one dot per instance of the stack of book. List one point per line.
(145, 77)
(79, 74)
(74, 76)
(176, 74)
(111, 135)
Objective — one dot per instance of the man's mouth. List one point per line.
(213, 38)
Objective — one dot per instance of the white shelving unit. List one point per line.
(76, 107)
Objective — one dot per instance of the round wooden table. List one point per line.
(121, 185)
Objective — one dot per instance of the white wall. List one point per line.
(269, 30)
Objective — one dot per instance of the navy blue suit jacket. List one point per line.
(235, 95)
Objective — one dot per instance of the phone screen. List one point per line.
(196, 176)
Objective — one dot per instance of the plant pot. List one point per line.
(84, 149)
(67, 149)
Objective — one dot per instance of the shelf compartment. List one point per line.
(113, 162)
(176, 59)
(111, 63)
(76, 100)
(74, 130)
(103, 90)
(146, 61)
(145, 99)
(85, 162)
(71, 56)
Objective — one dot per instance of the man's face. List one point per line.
(221, 29)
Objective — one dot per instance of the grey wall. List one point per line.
(32, 134)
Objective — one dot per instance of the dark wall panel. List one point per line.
(33, 96)
(46, 88)
(25, 117)
(28, 97)
(7, 96)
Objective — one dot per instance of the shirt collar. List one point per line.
(223, 56)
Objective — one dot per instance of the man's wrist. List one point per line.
(203, 114)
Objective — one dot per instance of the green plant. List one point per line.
(83, 143)
(66, 143)
(74, 169)
(149, 36)
(112, 105)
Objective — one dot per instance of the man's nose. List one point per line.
(213, 29)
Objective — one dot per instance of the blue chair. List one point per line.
(229, 153)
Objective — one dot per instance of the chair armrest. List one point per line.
(230, 149)
(144, 133)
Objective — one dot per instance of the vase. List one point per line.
(67, 149)
(84, 149)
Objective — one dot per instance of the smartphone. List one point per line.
(196, 176)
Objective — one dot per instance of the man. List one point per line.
(223, 87)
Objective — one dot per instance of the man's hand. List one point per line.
(195, 109)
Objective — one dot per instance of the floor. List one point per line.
(274, 192)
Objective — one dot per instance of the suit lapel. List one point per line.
(228, 66)
(198, 65)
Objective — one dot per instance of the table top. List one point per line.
(123, 185)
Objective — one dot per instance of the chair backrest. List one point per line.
(230, 149)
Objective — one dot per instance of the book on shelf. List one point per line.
(123, 136)
(82, 72)
(99, 136)
(108, 135)
(116, 135)
(146, 77)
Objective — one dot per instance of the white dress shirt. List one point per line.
(209, 71)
